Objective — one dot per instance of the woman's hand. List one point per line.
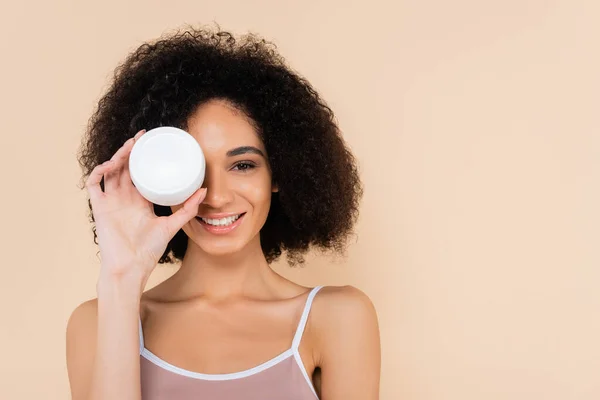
(130, 236)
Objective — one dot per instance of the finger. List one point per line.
(113, 179)
(140, 133)
(110, 184)
(189, 210)
(125, 178)
(92, 183)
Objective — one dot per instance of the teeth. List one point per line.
(222, 221)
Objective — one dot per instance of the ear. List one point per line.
(274, 188)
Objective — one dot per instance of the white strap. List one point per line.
(304, 318)
(299, 330)
(141, 335)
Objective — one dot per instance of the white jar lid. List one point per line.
(167, 165)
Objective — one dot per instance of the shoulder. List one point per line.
(347, 311)
(82, 318)
(81, 330)
(347, 346)
(343, 303)
(81, 345)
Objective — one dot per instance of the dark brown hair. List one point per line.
(163, 82)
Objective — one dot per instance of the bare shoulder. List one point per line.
(343, 306)
(345, 333)
(82, 323)
(81, 345)
(347, 311)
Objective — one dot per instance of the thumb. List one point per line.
(189, 210)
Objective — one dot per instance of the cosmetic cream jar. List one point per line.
(167, 165)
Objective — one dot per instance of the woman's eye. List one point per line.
(244, 166)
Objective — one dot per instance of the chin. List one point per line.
(220, 249)
(222, 245)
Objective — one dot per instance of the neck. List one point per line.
(244, 273)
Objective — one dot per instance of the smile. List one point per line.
(221, 222)
(222, 225)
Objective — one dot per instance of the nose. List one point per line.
(218, 192)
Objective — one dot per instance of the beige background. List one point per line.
(476, 126)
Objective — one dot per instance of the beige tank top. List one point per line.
(282, 377)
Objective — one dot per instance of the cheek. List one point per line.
(256, 191)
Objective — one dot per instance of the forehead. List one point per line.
(218, 125)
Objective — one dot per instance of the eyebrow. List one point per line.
(243, 150)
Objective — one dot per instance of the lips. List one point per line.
(219, 216)
(221, 229)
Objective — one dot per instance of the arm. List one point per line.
(347, 338)
(103, 346)
(102, 335)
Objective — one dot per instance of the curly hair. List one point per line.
(164, 81)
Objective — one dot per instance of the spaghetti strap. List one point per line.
(141, 335)
(297, 336)
(304, 318)
(162, 379)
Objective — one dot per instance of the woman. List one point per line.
(279, 178)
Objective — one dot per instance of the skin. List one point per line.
(225, 298)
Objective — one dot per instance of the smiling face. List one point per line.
(238, 179)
